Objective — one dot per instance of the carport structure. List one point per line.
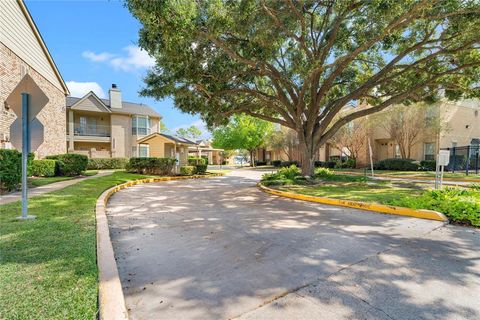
(162, 145)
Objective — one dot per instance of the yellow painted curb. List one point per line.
(401, 211)
(110, 294)
(409, 177)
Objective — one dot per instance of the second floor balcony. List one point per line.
(91, 130)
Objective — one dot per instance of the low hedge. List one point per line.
(107, 163)
(193, 161)
(160, 166)
(11, 169)
(260, 163)
(188, 170)
(70, 164)
(397, 164)
(276, 163)
(201, 169)
(43, 168)
(285, 164)
(428, 165)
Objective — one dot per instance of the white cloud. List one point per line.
(79, 89)
(100, 57)
(132, 59)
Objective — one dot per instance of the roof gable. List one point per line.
(90, 102)
(19, 33)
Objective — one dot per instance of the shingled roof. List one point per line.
(127, 107)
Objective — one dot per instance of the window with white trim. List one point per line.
(140, 125)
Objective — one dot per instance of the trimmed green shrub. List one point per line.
(428, 165)
(284, 164)
(397, 164)
(201, 168)
(43, 168)
(70, 164)
(107, 163)
(187, 170)
(260, 163)
(348, 163)
(10, 169)
(329, 175)
(325, 164)
(276, 163)
(160, 166)
(193, 161)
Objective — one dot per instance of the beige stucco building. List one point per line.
(104, 128)
(460, 127)
(27, 66)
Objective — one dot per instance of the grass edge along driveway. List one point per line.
(48, 266)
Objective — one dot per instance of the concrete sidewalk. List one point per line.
(33, 192)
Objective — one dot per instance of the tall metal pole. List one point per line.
(25, 152)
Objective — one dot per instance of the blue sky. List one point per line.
(94, 44)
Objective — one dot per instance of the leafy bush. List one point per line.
(284, 164)
(330, 175)
(260, 163)
(348, 163)
(428, 165)
(160, 166)
(201, 168)
(70, 164)
(10, 169)
(43, 168)
(459, 205)
(224, 162)
(285, 175)
(187, 170)
(323, 164)
(107, 163)
(276, 163)
(193, 161)
(397, 164)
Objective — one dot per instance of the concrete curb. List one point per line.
(401, 211)
(110, 294)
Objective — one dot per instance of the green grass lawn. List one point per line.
(418, 174)
(41, 181)
(48, 266)
(383, 193)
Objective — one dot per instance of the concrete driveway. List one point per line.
(219, 248)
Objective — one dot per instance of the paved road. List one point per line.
(221, 249)
(33, 192)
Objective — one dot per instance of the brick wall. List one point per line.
(52, 116)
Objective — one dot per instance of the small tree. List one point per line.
(242, 132)
(285, 140)
(351, 137)
(409, 125)
(192, 132)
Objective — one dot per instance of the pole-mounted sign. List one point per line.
(443, 159)
(26, 101)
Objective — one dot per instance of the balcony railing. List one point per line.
(92, 130)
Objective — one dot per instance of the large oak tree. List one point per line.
(298, 63)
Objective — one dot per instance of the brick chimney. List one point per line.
(115, 97)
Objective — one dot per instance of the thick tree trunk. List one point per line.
(307, 157)
(252, 158)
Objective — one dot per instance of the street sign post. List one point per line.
(443, 158)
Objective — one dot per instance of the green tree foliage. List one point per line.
(242, 132)
(192, 132)
(298, 63)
